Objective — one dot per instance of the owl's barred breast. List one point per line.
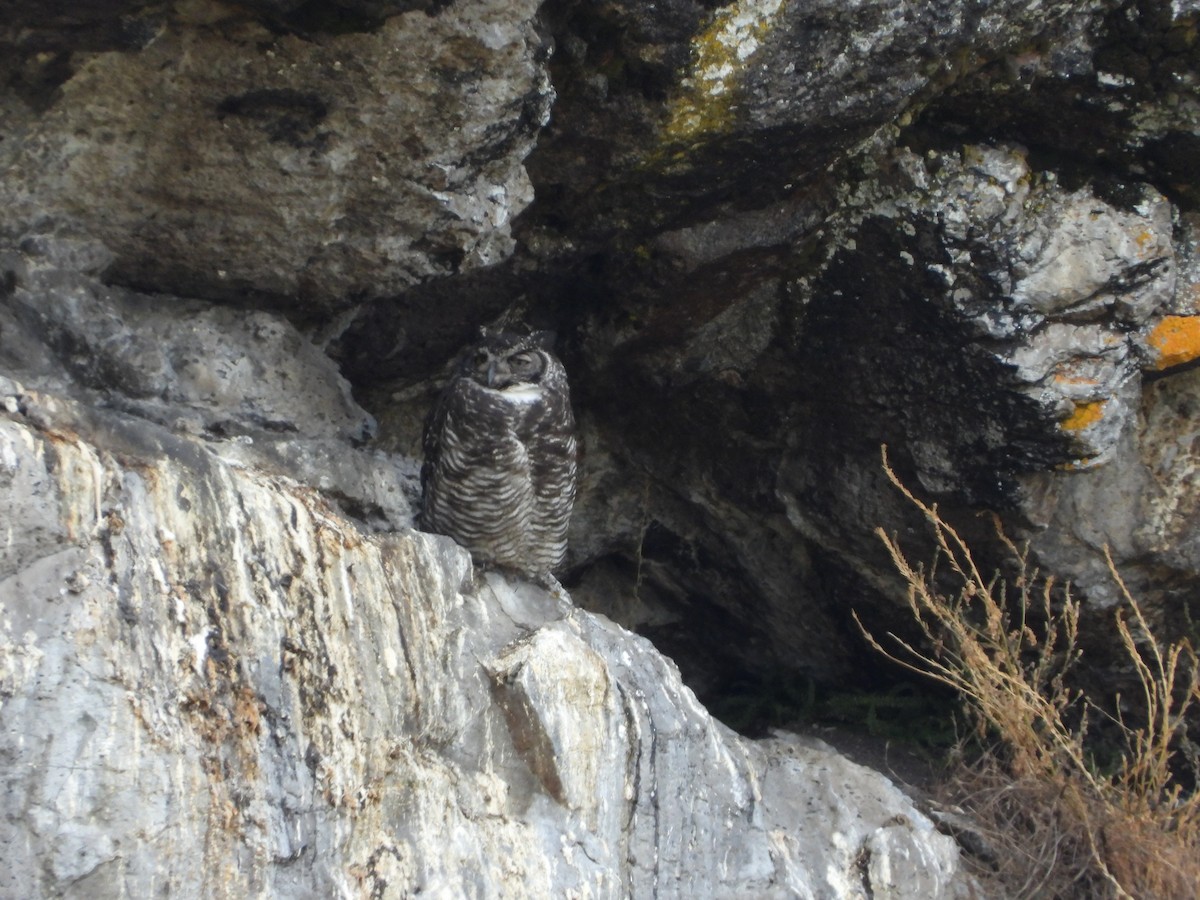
(500, 470)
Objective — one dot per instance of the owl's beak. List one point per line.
(491, 374)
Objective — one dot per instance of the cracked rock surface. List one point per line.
(355, 163)
(214, 684)
(239, 244)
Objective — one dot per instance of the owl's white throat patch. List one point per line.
(522, 393)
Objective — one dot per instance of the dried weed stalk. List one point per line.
(1061, 827)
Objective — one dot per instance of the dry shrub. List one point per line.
(1018, 837)
(1057, 826)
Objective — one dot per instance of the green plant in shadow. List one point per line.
(904, 712)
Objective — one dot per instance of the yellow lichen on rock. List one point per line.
(1085, 414)
(704, 102)
(1175, 340)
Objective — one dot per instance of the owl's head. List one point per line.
(506, 361)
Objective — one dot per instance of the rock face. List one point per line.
(976, 252)
(214, 684)
(238, 245)
(355, 164)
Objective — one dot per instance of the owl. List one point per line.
(499, 470)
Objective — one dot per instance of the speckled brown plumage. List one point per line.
(500, 456)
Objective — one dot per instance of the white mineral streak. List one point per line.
(1081, 247)
(1077, 281)
(243, 695)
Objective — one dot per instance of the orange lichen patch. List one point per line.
(1175, 340)
(1085, 414)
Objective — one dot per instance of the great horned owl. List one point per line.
(499, 472)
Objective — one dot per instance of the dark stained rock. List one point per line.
(228, 160)
(771, 236)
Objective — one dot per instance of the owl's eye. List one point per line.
(480, 359)
(524, 362)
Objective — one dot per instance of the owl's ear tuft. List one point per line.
(543, 339)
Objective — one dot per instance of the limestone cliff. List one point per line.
(213, 683)
(238, 244)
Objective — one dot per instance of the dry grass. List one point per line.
(1058, 827)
